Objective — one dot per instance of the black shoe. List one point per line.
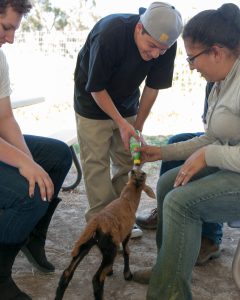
(35, 253)
(10, 291)
(34, 248)
(8, 288)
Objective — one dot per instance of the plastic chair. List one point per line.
(236, 259)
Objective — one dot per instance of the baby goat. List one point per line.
(107, 229)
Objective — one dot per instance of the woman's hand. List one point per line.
(35, 174)
(150, 153)
(192, 165)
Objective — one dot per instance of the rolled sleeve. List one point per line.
(5, 89)
(182, 150)
(223, 156)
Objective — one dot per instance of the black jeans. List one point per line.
(18, 212)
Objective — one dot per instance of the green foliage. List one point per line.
(44, 16)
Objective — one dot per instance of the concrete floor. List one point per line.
(211, 282)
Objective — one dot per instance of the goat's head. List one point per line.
(138, 178)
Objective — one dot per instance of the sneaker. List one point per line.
(209, 250)
(142, 276)
(148, 221)
(136, 232)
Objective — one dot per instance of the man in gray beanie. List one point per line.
(121, 51)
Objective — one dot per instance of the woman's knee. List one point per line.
(182, 202)
(165, 183)
(172, 202)
(34, 207)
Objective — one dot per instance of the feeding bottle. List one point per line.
(134, 143)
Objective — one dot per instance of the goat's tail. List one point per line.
(69, 271)
(87, 234)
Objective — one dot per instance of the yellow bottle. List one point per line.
(134, 143)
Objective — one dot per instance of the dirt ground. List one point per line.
(211, 282)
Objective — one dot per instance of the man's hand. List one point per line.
(35, 174)
(192, 165)
(126, 132)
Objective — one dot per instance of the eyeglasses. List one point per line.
(190, 60)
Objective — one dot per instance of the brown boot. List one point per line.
(142, 276)
(208, 251)
(148, 221)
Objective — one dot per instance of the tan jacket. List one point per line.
(222, 136)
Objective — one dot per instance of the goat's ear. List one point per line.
(149, 191)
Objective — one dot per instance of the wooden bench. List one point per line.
(69, 136)
(17, 102)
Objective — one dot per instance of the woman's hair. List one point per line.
(20, 6)
(216, 26)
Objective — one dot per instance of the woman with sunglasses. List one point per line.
(206, 187)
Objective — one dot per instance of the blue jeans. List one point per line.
(18, 212)
(212, 231)
(212, 196)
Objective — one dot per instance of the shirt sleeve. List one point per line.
(182, 150)
(224, 157)
(216, 155)
(5, 89)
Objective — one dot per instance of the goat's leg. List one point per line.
(127, 273)
(69, 271)
(109, 253)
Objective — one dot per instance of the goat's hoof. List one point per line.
(128, 276)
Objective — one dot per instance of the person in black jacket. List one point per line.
(121, 51)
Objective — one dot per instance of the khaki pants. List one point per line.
(105, 162)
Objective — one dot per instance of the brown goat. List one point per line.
(107, 229)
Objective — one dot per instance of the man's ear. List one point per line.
(139, 27)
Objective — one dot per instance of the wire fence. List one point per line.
(66, 44)
(43, 63)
